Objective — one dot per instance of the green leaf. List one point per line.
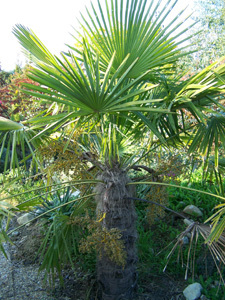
(6, 125)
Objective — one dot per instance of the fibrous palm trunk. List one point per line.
(117, 282)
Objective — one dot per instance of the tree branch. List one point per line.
(88, 156)
(149, 170)
(139, 167)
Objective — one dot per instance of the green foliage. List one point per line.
(17, 146)
(211, 17)
(6, 212)
(21, 189)
(59, 246)
(61, 243)
(217, 222)
(4, 77)
(136, 32)
(206, 139)
(6, 124)
(212, 288)
(179, 198)
(153, 245)
(166, 231)
(53, 204)
(71, 234)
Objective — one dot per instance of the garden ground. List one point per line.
(20, 278)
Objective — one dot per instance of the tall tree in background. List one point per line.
(211, 41)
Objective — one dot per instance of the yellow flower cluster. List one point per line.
(159, 195)
(102, 240)
(108, 241)
(171, 169)
(69, 161)
(167, 171)
(59, 160)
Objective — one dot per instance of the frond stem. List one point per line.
(163, 206)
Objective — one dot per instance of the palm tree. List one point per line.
(119, 84)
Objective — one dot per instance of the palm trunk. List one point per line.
(117, 282)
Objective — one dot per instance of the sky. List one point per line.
(51, 20)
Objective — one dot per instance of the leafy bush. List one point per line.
(21, 189)
(4, 77)
(15, 104)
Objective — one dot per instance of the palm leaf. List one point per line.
(209, 138)
(17, 147)
(66, 82)
(202, 89)
(131, 27)
(6, 125)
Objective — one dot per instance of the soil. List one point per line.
(23, 259)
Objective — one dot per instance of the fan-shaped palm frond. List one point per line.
(84, 88)
(192, 101)
(136, 28)
(202, 90)
(209, 138)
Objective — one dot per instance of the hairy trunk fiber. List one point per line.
(117, 282)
